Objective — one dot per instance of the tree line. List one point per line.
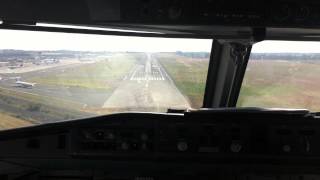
(194, 54)
(285, 56)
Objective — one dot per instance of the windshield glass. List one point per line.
(47, 77)
(282, 74)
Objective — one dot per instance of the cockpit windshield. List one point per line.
(48, 76)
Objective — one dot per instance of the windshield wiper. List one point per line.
(177, 111)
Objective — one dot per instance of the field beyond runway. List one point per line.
(281, 83)
(62, 92)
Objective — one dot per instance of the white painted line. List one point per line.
(134, 73)
(160, 73)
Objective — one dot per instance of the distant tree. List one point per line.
(194, 54)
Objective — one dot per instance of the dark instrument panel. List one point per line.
(209, 135)
(208, 142)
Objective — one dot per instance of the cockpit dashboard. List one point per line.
(214, 143)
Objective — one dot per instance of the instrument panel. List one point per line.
(189, 135)
(201, 142)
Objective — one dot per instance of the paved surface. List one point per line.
(147, 86)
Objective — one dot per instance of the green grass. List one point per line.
(103, 75)
(20, 105)
(188, 74)
(35, 98)
(9, 121)
(284, 84)
(265, 96)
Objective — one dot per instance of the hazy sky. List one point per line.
(30, 40)
(287, 46)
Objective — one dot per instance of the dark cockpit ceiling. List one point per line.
(286, 19)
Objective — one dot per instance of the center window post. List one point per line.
(227, 66)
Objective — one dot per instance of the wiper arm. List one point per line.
(177, 111)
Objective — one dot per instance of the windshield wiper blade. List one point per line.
(178, 111)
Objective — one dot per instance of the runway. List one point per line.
(148, 87)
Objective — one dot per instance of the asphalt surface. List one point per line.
(148, 86)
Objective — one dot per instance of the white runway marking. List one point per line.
(134, 74)
(147, 89)
(150, 71)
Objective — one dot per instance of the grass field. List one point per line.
(101, 75)
(37, 108)
(189, 75)
(20, 109)
(10, 122)
(267, 83)
(286, 84)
